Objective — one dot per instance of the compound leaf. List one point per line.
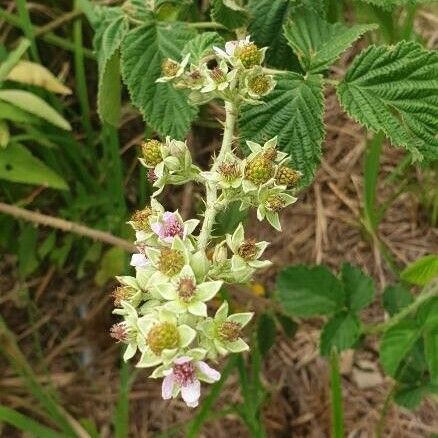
(143, 50)
(293, 111)
(359, 288)
(318, 43)
(394, 89)
(309, 291)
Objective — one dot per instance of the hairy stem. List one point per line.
(211, 190)
(428, 292)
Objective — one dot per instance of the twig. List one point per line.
(67, 226)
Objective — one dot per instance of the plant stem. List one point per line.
(336, 397)
(211, 190)
(206, 25)
(431, 290)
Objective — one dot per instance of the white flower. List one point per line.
(170, 225)
(230, 47)
(219, 78)
(139, 260)
(185, 295)
(184, 377)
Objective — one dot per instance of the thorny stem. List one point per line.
(428, 292)
(211, 198)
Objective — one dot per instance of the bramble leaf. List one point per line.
(109, 36)
(309, 291)
(202, 45)
(340, 332)
(229, 13)
(359, 288)
(294, 112)
(422, 271)
(394, 89)
(317, 43)
(395, 298)
(143, 50)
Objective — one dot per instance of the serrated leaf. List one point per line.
(390, 4)
(427, 315)
(340, 332)
(31, 73)
(394, 89)
(229, 13)
(396, 344)
(109, 36)
(294, 112)
(309, 291)
(17, 164)
(431, 352)
(202, 45)
(395, 298)
(422, 271)
(165, 108)
(317, 43)
(267, 18)
(33, 104)
(359, 288)
(266, 333)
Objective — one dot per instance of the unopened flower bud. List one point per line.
(169, 67)
(229, 331)
(259, 170)
(162, 336)
(177, 148)
(248, 54)
(286, 176)
(248, 249)
(171, 261)
(152, 152)
(275, 203)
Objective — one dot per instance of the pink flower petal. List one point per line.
(208, 371)
(191, 393)
(168, 216)
(182, 359)
(167, 386)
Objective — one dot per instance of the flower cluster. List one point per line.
(179, 269)
(235, 72)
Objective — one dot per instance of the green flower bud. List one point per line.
(162, 336)
(229, 331)
(152, 152)
(171, 261)
(259, 170)
(287, 177)
(249, 55)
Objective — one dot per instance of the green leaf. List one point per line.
(227, 220)
(427, 315)
(26, 424)
(268, 18)
(33, 104)
(202, 45)
(27, 250)
(109, 36)
(294, 112)
(14, 114)
(431, 352)
(390, 4)
(9, 63)
(340, 332)
(317, 43)
(17, 164)
(288, 325)
(309, 291)
(394, 89)
(266, 333)
(165, 108)
(359, 288)
(4, 134)
(396, 344)
(395, 298)
(229, 13)
(112, 264)
(410, 396)
(422, 271)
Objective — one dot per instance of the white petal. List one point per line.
(167, 386)
(191, 393)
(139, 260)
(209, 372)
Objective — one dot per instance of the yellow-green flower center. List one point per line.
(122, 293)
(162, 336)
(186, 289)
(229, 171)
(152, 152)
(259, 170)
(169, 68)
(259, 84)
(287, 177)
(171, 261)
(229, 331)
(249, 55)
